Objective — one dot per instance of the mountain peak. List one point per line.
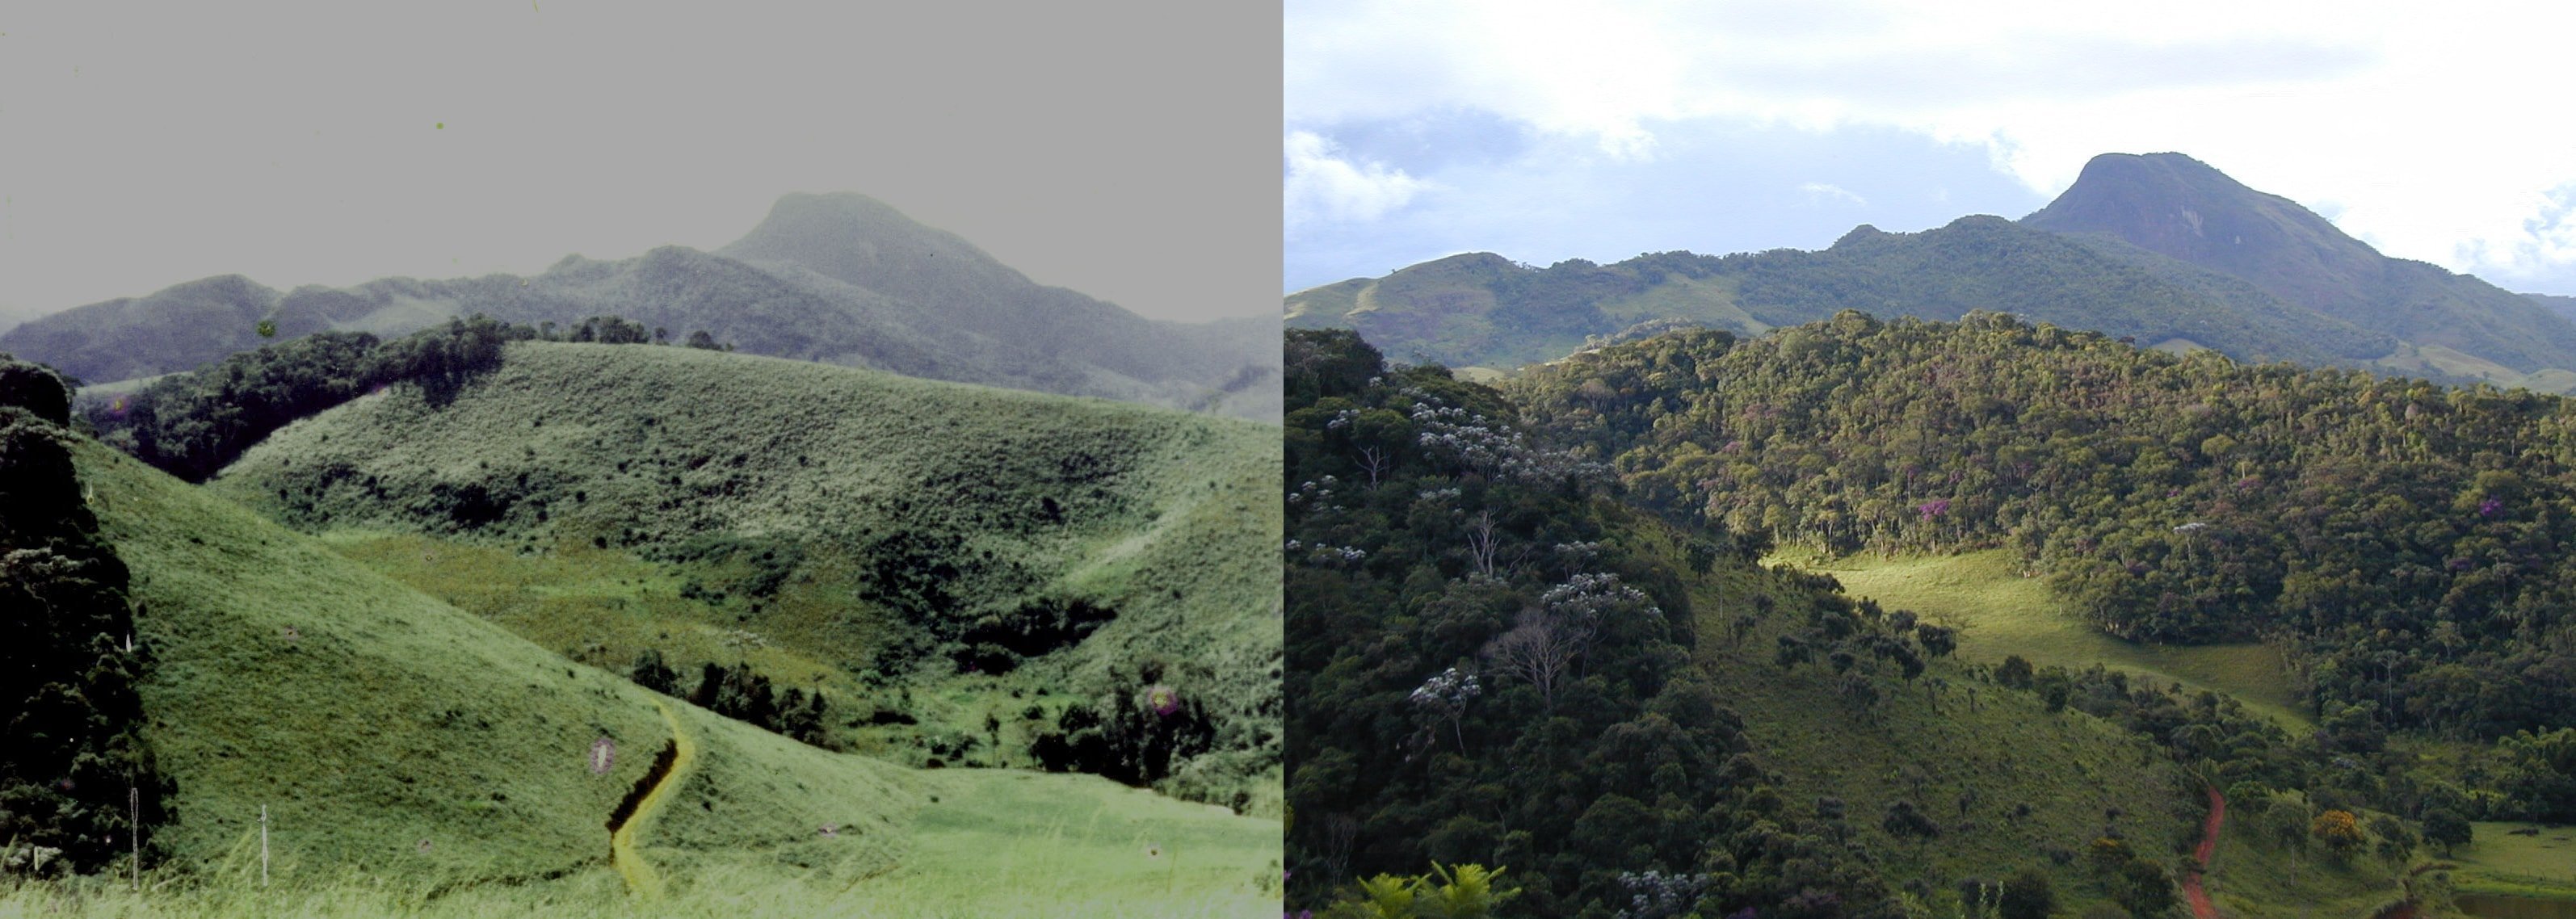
(2180, 207)
(860, 240)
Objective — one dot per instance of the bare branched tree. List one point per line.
(1375, 461)
(1481, 542)
(1538, 649)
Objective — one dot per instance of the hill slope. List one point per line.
(408, 754)
(834, 278)
(963, 544)
(382, 728)
(2177, 206)
(1495, 661)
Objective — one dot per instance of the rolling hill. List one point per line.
(838, 278)
(971, 561)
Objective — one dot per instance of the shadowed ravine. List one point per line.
(669, 769)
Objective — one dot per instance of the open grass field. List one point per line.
(415, 759)
(727, 508)
(2498, 860)
(2001, 613)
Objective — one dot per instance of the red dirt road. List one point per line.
(2200, 905)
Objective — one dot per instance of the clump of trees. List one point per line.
(1138, 734)
(77, 780)
(739, 693)
(193, 424)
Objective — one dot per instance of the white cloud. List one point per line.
(1323, 187)
(2417, 120)
(1822, 193)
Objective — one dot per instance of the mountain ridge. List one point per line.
(2160, 248)
(901, 296)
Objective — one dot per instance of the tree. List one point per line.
(1481, 542)
(2337, 829)
(2014, 672)
(2144, 888)
(2446, 828)
(1905, 821)
(1537, 649)
(1937, 641)
(2027, 896)
(651, 673)
(700, 339)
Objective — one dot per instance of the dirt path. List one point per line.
(2201, 908)
(621, 840)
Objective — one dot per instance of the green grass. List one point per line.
(1709, 301)
(2251, 874)
(387, 719)
(2497, 861)
(2001, 613)
(600, 457)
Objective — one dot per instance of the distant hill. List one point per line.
(2161, 249)
(877, 532)
(2177, 206)
(1483, 310)
(837, 278)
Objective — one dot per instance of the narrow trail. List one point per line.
(2201, 908)
(622, 827)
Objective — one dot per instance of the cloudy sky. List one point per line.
(1118, 150)
(1546, 131)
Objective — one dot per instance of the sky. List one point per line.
(1119, 150)
(1544, 131)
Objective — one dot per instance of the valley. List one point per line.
(438, 712)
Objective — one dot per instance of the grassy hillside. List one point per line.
(877, 537)
(408, 752)
(1999, 612)
(382, 728)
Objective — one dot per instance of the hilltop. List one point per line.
(976, 563)
(841, 279)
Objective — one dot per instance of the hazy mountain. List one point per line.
(2177, 206)
(841, 279)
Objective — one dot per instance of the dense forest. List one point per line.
(1493, 660)
(1425, 535)
(2405, 541)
